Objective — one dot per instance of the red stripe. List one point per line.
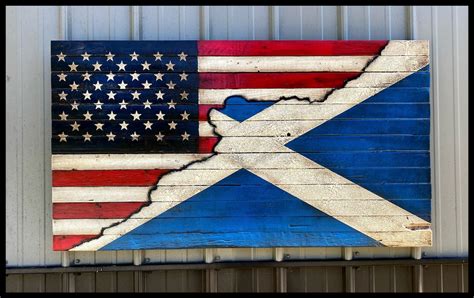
(107, 177)
(66, 242)
(204, 110)
(206, 144)
(95, 210)
(275, 80)
(290, 48)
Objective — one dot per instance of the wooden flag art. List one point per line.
(199, 144)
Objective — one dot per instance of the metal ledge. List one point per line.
(225, 265)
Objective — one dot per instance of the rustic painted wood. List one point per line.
(333, 146)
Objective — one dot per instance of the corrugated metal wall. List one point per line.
(28, 151)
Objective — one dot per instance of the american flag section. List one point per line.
(184, 144)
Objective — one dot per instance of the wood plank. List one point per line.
(289, 48)
(107, 177)
(274, 80)
(283, 64)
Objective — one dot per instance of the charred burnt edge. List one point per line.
(282, 98)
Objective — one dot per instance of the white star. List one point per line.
(147, 104)
(110, 56)
(61, 56)
(75, 126)
(172, 105)
(123, 105)
(73, 86)
(74, 106)
(85, 56)
(99, 126)
(182, 56)
(98, 86)
(121, 66)
(172, 125)
(185, 136)
(87, 95)
(86, 76)
(62, 95)
(136, 95)
(62, 137)
(148, 125)
(87, 116)
(123, 125)
(73, 67)
(146, 65)
(171, 85)
(184, 95)
(160, 116)
(159, 95)
(97, 66)
(183, 76)
(122, 85)
(170, 66)
(111, 115)
(134, 56)
(62, 77)
(110, 76)
(111, 95)
(136, 115)
(159, 76)
(111, 136)
(63, 116)
(158, 56)
(98, 105)
(146, 85)
(87, 137)
(185, 116)
(135, 136)
(135, 76)
(159, 136)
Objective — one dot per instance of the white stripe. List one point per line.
(99, 194)
(282, 63)
(81, 226)
(407, 47)
(122, 161)
(218, 96)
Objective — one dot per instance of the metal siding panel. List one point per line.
(106, 281)
(225, 280)
(265, 280)
(84, 282)
(125, 281)
(155, 281)
(32, 230)
(358, 21)
(14, 283)
(218, 19)
(53, 283)
(452, 278)
(329, 22)
(244, 280)
(461, 69)
(363, 278)
(296, 279)
(383, 279)
(432, 278)
(403, 279)
(290, 22)
(33, 283)
(13, 134)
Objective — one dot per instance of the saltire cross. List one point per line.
(183, 144)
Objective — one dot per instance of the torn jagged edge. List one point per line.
(282, 98)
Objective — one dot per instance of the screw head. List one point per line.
(356, 253)
(217, 258)
(286, 256)
(147, 260)
(77, 261)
